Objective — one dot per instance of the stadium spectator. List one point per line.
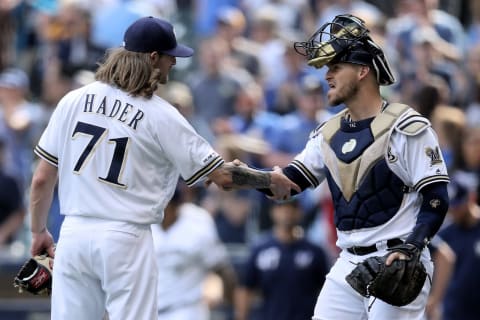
(188, 251)
(75, 49)
(38, 37)
(7, 29)
(180, 96)
(231, 27)
(473, 28)
(21, 123)
(271, 48)
(213, 88)
(418, 14)
(457, 259)
(472, 70)
(467, 157)
(291, 86)
(249, 132)
(310, 111)
(12, 209)
(284, 268)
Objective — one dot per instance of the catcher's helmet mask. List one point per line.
(345, 39)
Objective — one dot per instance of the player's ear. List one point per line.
(363, 71)
(154, 56)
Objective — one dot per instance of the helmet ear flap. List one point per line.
(383, 71)
(380, 64)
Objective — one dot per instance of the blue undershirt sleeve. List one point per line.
(432, 213)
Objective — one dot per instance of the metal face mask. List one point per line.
(332, 39)
(346, 39)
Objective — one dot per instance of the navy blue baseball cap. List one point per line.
(149, 34)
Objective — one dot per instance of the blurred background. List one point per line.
(245, 90)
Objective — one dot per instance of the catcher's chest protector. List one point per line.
(355, 155)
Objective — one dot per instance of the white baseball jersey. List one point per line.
(411, 151)
(186, 252)
(119, 157)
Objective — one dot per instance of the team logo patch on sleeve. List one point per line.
(209, 158)
(434, 203)
(391, 157)
(434, 155)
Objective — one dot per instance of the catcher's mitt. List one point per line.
(35, 276)
(397, 284)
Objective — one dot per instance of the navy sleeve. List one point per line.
(295, 175)
(10, 195)
(432, 213)
(322, 265)
(249, 274)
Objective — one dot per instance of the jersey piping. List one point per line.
(46, 156)
(215, 163)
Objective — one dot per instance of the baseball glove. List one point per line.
(35, 276)
(397, 284)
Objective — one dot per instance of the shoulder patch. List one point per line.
(412, 124)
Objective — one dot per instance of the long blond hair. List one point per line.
(130, 71)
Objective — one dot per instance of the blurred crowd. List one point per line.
(245, 90)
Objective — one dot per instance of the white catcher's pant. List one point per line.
(338, 300)
(104, 265)
(194, 311)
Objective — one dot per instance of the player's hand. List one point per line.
(395, 256)
(208, 182)
(281, 186)
(42, 241)
(235, 162)
(406, 251)
(239, 163)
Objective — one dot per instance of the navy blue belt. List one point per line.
(361, 251)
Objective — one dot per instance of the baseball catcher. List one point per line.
(397, 283)
(35, 276)
(386, 174)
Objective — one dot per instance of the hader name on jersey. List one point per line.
(123, 112)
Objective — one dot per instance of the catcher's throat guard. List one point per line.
(345, 39)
